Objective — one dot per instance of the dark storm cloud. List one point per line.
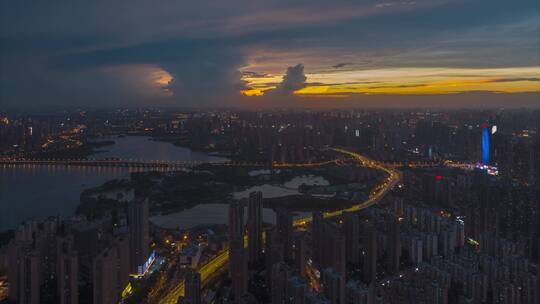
(60, 52)
(203, 70)
(294, 80)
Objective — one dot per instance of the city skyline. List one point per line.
(270, 152)
(270, 207)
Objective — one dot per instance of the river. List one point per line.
(35, 192)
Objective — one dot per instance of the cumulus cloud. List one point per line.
(294, 80)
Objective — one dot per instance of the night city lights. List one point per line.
(270, 152)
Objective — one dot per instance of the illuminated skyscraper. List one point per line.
(485, 144)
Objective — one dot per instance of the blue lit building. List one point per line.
(485, 144)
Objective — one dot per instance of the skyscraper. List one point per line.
(300, 254)
(285, 231)
(67, 271)
(352, 237)
(104, 280)
(138, 234)
(370, 257)
(255, 226)
(238, 267)
(121, 246)
(28, 277)
(317, 235)
(192, 288)
(394, 247)
(335, 253)
(274, 252)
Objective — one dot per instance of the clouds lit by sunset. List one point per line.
(416, 81)
(238, 52)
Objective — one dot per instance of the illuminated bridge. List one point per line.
(163, 164)
(124, 163)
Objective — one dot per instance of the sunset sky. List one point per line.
(270, 53)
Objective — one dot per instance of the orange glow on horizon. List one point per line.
(408, 81)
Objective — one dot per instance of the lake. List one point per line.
(34, 192)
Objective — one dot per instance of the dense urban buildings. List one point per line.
(339, 207)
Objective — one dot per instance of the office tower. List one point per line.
(333, 284)
(254, 224)
(285, 231)
(192, 288)
(138, 234)
(296, 290)
(352, 237)
(370, 257)
(394, 247)
(300, 254)
(67, 269)
(104, 280)
(238, 267)
(317, 235)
